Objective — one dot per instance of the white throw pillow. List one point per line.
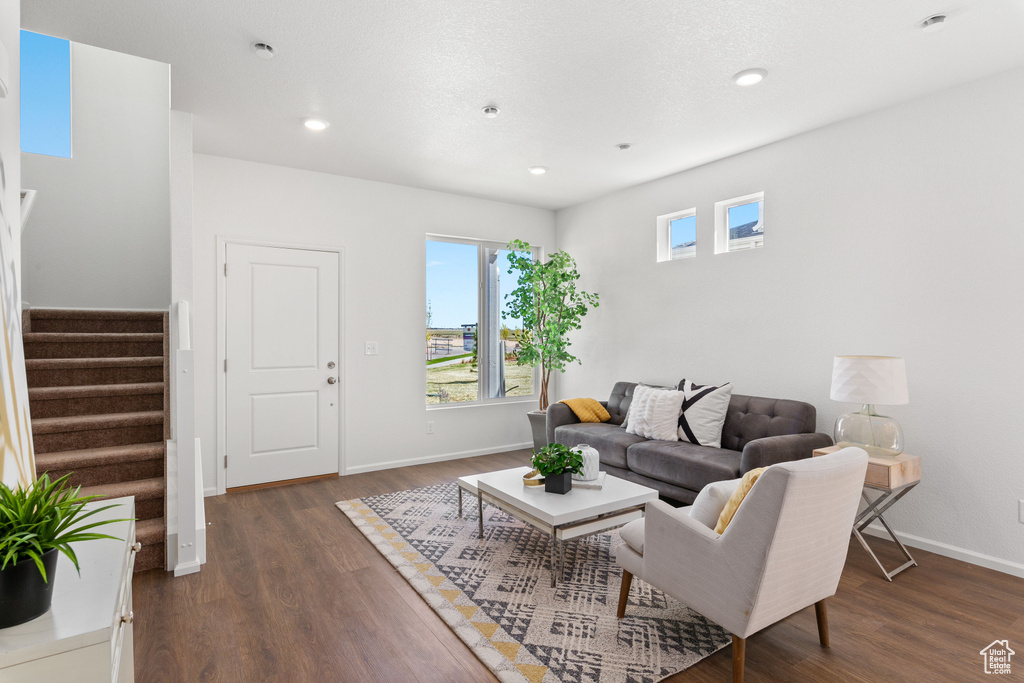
(703, 413)
(711, 500)
(662, 415)
(635, 423)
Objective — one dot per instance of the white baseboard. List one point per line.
(172, 554)
(437, 458)
(209, 491)
(946, 550)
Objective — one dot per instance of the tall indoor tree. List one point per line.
(550, 305)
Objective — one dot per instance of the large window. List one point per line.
(739, 223)
(470, 346)
(45, 95)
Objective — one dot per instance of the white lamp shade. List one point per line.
(878, 380)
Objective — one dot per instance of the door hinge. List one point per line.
(225, 461)
(225, 269)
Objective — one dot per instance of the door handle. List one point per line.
(331, 380)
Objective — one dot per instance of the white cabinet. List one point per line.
(86, 636)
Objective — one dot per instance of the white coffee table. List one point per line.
(581, 512)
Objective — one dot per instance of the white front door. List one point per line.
(283, 402)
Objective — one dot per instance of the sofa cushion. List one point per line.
(633, 535)
(754, 417)
(711, 500)
(683, 464)
(611, 441)
(618, 402)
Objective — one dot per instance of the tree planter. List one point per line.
(558, 483)
(539, 425)
(23, 593)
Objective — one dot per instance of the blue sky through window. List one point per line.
(743, 214)
(452, 283)
(45, 95)
(683, 231)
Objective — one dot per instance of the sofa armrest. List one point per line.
(559, 414)
(775, 449)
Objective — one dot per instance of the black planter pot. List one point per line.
(23, 593)
(558, 483)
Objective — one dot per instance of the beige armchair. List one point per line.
(784, 550)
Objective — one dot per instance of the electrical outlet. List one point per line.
(371, 348)
(1020, 510)
(430, 430)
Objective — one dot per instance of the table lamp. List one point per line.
(870, 380)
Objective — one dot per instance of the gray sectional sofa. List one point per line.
(757, 432)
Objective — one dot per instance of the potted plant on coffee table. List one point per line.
(37, 522)
(550, 307)
(557, 463)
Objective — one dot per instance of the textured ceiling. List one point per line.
(403, 83)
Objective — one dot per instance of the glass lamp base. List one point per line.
(877, 434)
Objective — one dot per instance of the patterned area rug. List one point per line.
(496, 594)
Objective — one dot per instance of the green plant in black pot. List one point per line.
(37, 522)
(557, 463)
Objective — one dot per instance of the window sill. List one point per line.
(524, 400)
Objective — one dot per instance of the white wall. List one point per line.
(900, 233)
(382, 229)
(100, 228)
(10, 123)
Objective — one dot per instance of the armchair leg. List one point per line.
(739, 654)
(821, 611)
(627, 581)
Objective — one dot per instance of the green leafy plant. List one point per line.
(43, 516)
(555, 459)
(550, 306)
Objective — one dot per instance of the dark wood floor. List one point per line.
(293, 592)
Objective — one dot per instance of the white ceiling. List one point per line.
(403, 83)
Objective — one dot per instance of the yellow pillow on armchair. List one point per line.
(729, 511)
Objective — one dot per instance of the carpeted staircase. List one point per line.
(98, 392)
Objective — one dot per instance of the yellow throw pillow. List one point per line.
(729, 511)
(587, 409)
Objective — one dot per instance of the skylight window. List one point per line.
(45, 95)
(677, 235)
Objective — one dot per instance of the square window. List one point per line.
(739, 223)
(677, 235)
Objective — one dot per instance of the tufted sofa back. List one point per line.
(749, 417)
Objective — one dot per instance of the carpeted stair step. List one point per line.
(52, 372)
(95, 431)
(149, 495)
(151, 534)
(72, 320)
(96, 399)
(92, 344)
(98, 466)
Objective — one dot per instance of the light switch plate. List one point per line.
(371, 348)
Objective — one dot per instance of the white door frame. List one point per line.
(222, 398)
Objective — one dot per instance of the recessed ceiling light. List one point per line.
(750, 77)
(934, 23)
(538, 170)
(491, 112)
(263, 51)
(315, 124)
(623, 146)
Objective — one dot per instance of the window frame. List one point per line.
(722, 221)
(483, 340)
(664, 231)
(70, 98)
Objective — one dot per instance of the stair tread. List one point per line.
(94, 390)
(93, 457)
(150, 531)
(88, 314)
(119, 362)
(91, 337)
(142, 489)
(78, 423)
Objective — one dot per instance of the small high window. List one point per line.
(739, 223)
(677, 235)
(45, 95)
